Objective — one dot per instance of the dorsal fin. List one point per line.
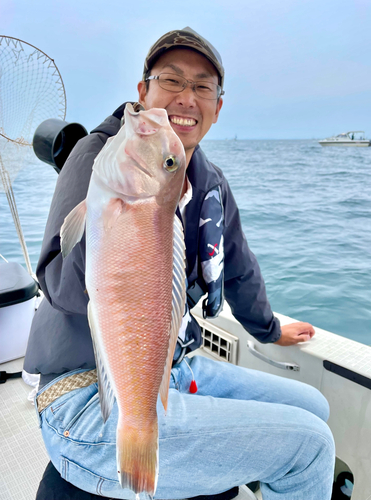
(178, 302)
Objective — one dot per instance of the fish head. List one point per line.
(145, 159)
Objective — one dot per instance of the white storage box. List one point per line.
(18, 292)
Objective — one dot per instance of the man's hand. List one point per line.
(294, 333)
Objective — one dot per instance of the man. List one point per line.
(254, 426)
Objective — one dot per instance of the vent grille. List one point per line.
(219, 343)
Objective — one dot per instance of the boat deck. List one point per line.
(23, 457)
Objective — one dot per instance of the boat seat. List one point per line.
(54, 487)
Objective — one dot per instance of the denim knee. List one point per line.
(319, 404)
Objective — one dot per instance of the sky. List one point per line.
(295, 69)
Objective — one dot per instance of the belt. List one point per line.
(67, 384)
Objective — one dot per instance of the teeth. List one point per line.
(188, 122)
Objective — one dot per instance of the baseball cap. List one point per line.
(186, 37)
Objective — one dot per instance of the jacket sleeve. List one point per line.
(244, 286)
(63, 280)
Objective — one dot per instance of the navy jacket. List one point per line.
(60, 338)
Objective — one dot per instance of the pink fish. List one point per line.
(135, 278)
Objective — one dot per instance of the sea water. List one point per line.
(306, 213)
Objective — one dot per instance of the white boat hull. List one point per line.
(335, 365)
(352, 144)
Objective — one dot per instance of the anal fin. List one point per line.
(106, 394)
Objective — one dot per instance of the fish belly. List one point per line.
(130, 290)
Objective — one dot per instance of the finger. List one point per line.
(310, 329)
(306, 329)
(310, 333)
(304, 337)
(306, 326)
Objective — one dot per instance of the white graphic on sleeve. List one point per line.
(214, 194)
(212, 268)
(203, 221)
(183, 327)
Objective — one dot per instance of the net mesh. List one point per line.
(31, 91)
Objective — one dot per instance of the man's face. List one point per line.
(190, 116)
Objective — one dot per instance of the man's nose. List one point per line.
(187, 97)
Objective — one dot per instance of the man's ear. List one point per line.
(142, 92)
(218, 108)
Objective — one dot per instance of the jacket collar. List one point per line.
(110, 126)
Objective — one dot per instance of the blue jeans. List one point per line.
(241, 426)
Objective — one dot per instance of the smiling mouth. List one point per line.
(184, 122)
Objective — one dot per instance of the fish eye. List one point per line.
(171, 164)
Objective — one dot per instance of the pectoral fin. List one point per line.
(112, 212)
(73, 228)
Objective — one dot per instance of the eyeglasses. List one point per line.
(175, 83)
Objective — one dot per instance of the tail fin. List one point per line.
(137, 458)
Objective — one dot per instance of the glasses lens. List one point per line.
(170, 82)
(207, 90)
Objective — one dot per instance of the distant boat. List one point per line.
(347, 139)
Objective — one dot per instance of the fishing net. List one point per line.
(31, 91)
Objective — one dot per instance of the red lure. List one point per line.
(193, 387)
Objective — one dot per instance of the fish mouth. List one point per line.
(183, 121)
